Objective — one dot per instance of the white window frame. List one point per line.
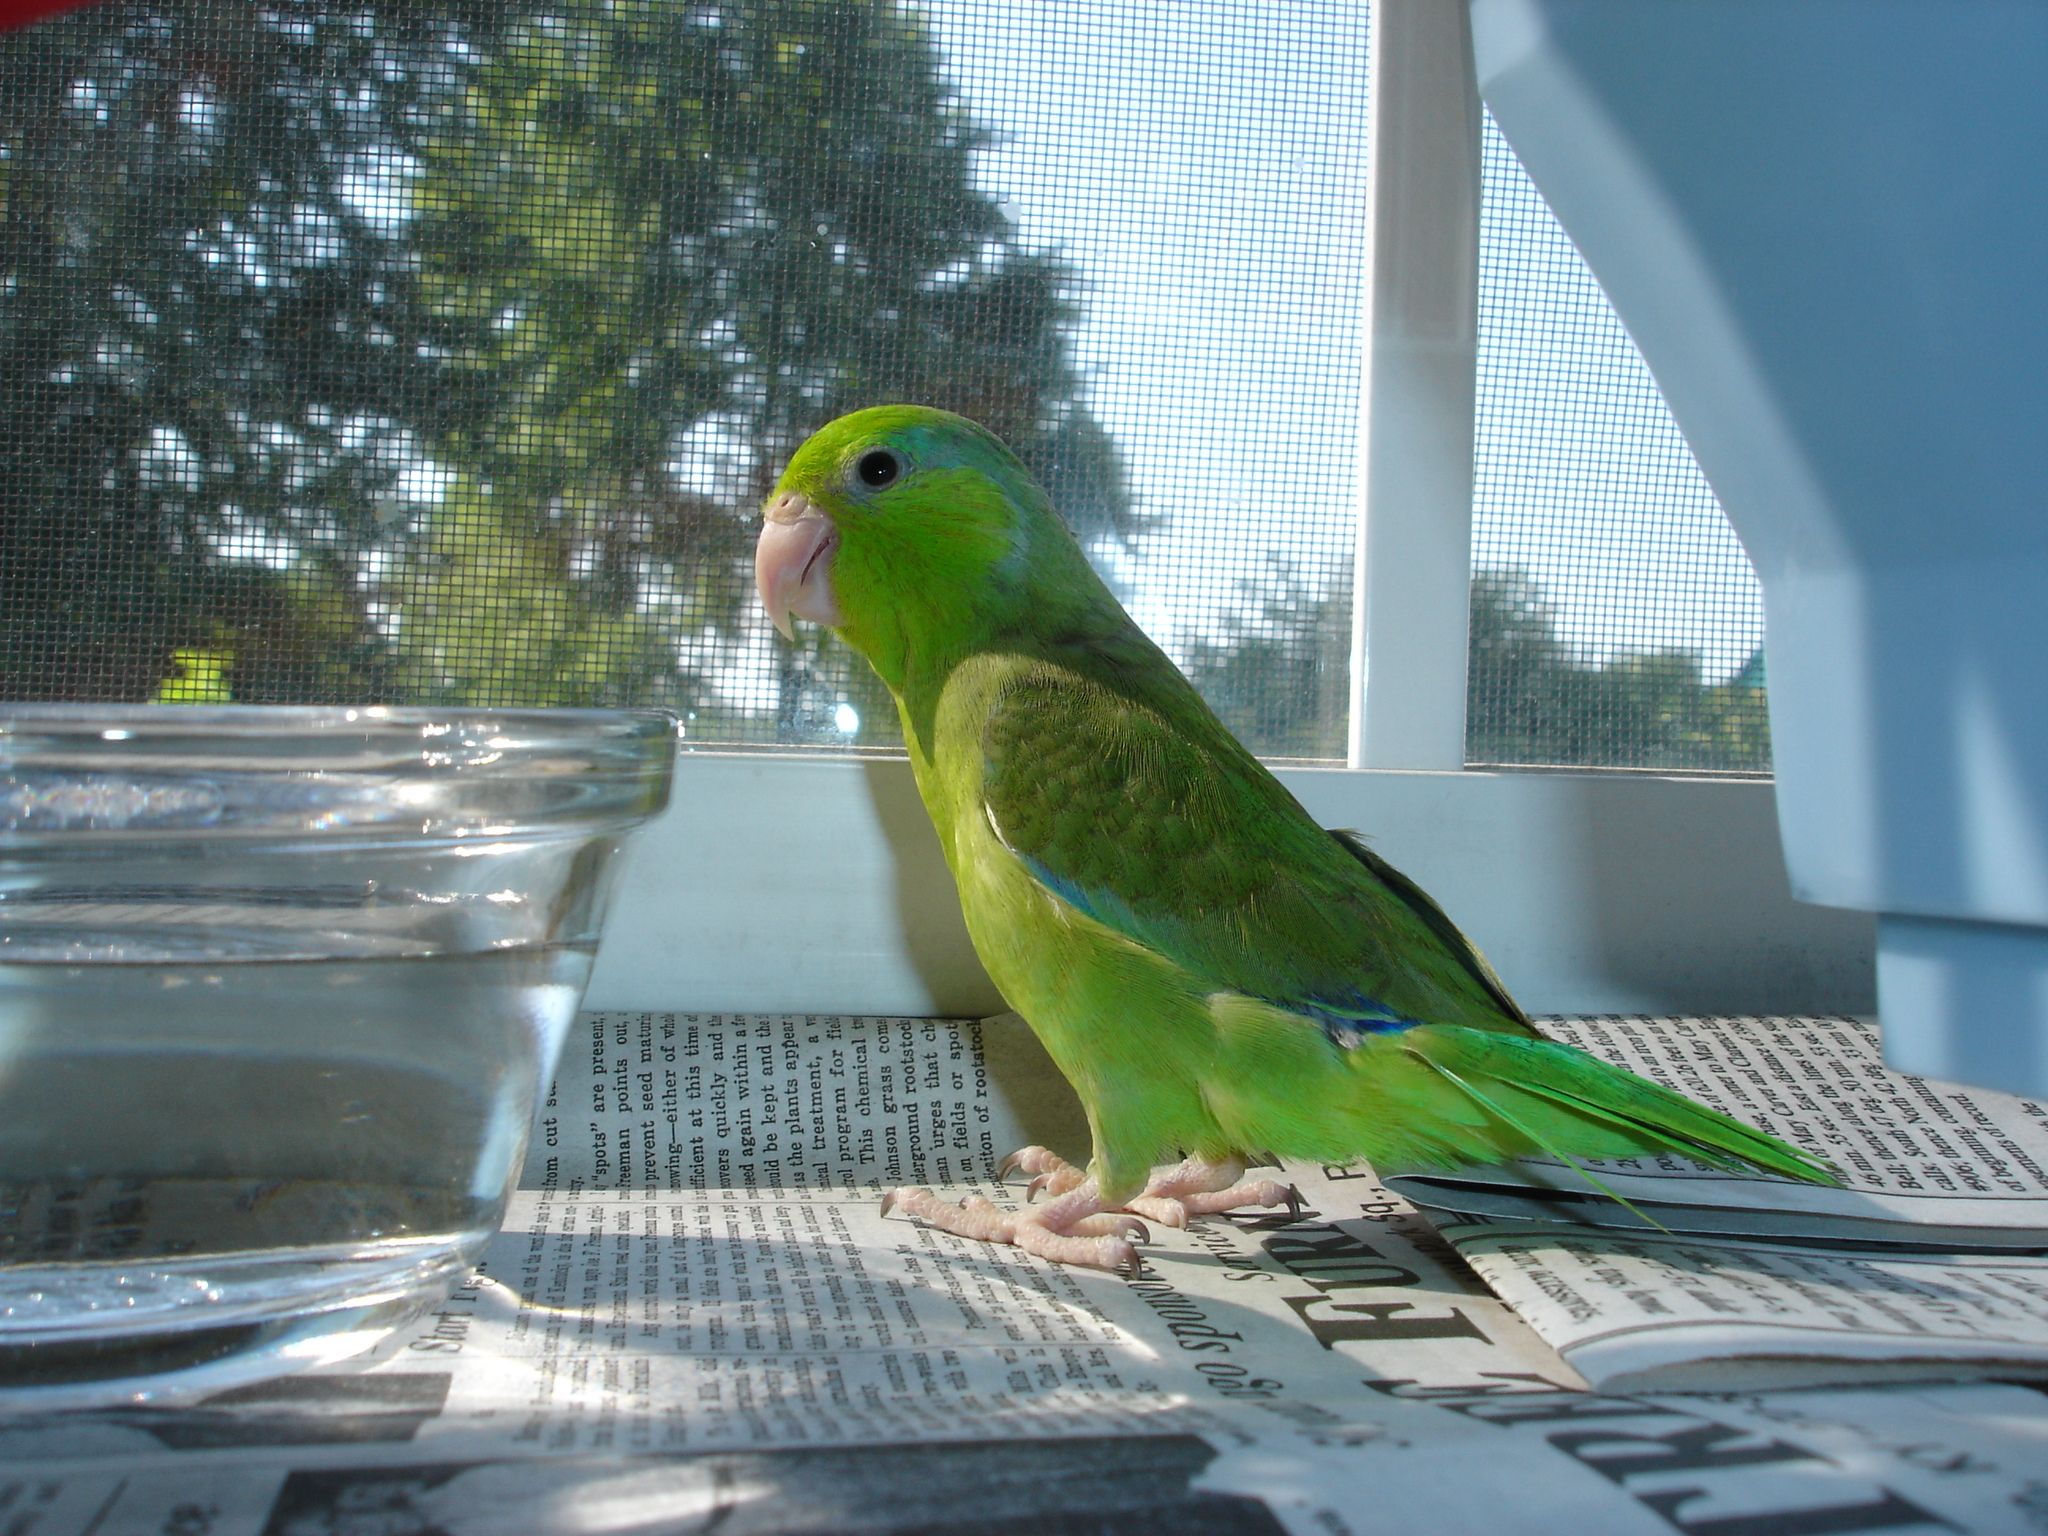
(814, 884)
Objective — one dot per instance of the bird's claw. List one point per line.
(1117, 1224)
(1050, 1173)
(1032, 1159)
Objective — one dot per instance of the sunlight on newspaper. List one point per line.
(696, 1315)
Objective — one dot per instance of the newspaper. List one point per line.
(696, 1316)
(1930, 1260)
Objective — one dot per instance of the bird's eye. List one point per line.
(878, 467)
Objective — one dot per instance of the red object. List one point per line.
(19, 13)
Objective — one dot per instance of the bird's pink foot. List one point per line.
(1173, 1195)
(1072, 1228)
(1050, 1173)
(1197, 1188)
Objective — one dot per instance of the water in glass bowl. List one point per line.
(329, 1142)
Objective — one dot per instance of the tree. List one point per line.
(434, 350)
(1277, 674)
(210, 353)
(1518, 699)
(673, 241)
(492, 617)
(1530, 700)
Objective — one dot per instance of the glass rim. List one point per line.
(129, 771)
(522, 726)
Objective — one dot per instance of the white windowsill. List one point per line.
(815, 884)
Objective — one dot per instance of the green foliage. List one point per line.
(491, 615)
(271, 636)
(269, 276)
(1530, 701)
(656, 227)
(1278, 675)
(205, 346)
(198, 676)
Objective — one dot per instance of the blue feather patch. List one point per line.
(1349, 1025)
(1069, 891)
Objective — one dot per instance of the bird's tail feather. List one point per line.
(1546, 1098)
(1502, 1115)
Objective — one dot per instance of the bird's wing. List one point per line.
(1145, 814)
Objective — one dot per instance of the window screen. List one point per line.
(442, 351)
(1616, 620)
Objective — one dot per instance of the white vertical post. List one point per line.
(1414, 559)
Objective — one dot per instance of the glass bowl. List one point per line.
(278, 991)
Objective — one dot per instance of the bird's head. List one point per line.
(915, 534)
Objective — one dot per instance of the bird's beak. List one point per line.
(793, 563)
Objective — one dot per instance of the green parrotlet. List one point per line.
(1219, 977)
